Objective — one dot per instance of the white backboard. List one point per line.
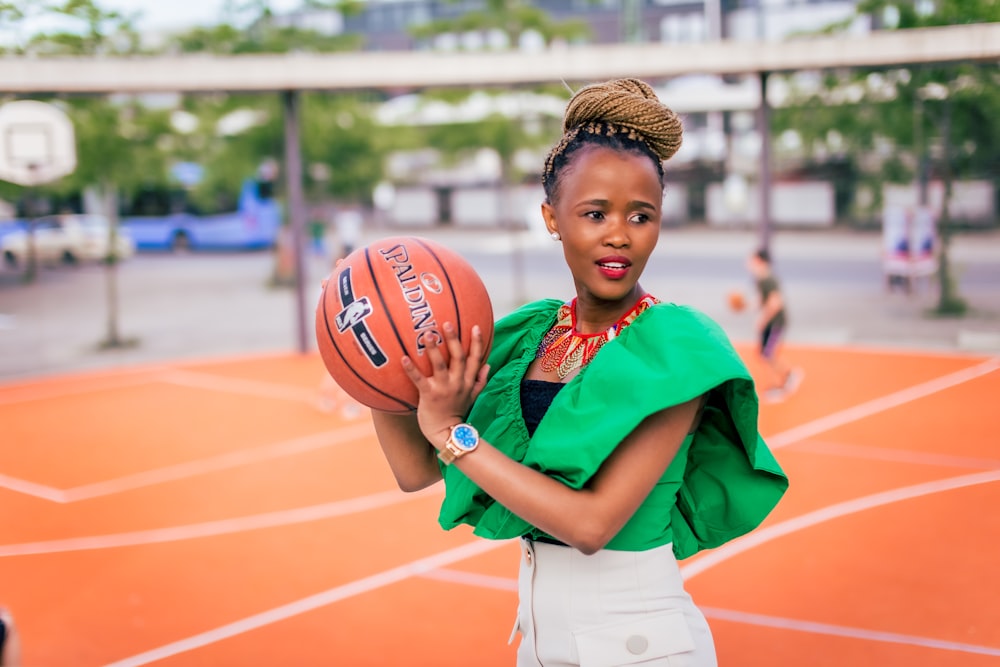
(37, 143)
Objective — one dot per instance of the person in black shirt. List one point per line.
(771, 324)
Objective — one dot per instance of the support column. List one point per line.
(296, 209)
(764, 181)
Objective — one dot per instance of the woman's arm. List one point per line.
(586, 518)
(411, 457)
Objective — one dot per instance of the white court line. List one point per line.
(764, 535)
(221, 462)
(190, 468)
(48, 390)
(31, 488)
(472, 579)
(152, 375)
(221, 527)
(898, 455)
(881, 404)
(509, 584)
(844, 631)
(238, 386)
(313, 602)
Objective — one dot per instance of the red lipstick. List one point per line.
(614, 267)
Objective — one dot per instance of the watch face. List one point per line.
(465, 436)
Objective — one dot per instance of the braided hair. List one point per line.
(623, 115)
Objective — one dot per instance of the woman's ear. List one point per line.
(549, 215)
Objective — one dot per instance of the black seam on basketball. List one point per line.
(347, 365)
(451, 288)
(385, 306)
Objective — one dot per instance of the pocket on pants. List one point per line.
(639, 640)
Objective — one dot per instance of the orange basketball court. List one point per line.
(208, 513)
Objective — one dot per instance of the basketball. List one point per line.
(736, 300)
(390, 299)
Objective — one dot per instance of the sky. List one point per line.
(169, 14)
(156, 15)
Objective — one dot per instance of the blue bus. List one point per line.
(253, 225)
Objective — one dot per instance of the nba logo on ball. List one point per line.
(391, 299)
(353, 314)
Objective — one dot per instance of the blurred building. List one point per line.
(713, 177)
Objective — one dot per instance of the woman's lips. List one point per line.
(614, 268)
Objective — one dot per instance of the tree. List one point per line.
(339, 132)
(340, 146)
(510, 20)
(910, 122)
(505, 23)
(116, 139)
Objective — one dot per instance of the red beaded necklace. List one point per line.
(563, 350)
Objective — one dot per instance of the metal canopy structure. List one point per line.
(408, 70)
(414, 70)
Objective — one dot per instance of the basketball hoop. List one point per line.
(37, 144)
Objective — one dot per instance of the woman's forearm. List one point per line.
(411, 457)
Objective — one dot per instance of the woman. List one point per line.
(612, 433)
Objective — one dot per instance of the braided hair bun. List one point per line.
(628, 104)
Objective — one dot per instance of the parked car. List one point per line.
(66, 238)
(254, 225)
(12, 225)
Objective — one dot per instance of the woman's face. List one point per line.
(607, 212)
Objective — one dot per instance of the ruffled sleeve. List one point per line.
(669, 355)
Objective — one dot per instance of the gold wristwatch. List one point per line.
(462, 440)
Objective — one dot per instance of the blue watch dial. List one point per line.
(465, 436)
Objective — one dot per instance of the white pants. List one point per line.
(611, 608)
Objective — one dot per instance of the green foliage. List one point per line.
(892, 116)
(11, 12)
(352, 157)
(512, 18)
(116, 142)
(504, 134)
(122, 142)
(944, 12)
(264, 37)
(90, 30)
(116, 139)
(339, 132)
(228, 159)
(914, 120)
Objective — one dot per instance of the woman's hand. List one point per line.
(447, 394)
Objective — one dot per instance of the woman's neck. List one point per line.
(597, 316)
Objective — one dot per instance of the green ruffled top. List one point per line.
(724, 480)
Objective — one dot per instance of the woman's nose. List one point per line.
(617, 234)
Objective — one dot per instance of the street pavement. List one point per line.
(206, 305)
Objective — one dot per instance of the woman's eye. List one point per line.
(595, 215)
(639, 219)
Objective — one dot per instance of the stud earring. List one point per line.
(555, 236)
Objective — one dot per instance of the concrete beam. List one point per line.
(420, 69)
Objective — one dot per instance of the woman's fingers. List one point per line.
(475, 353)
(454, 345)
(456, 365)
(412, 371)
